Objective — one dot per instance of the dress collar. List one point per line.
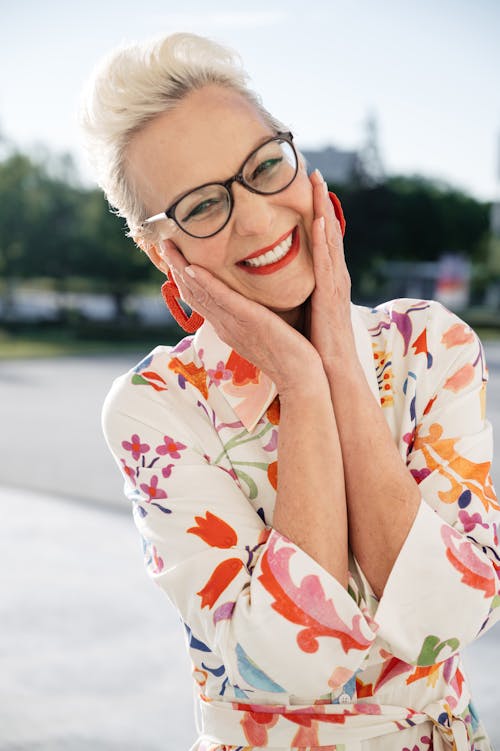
(248, 390)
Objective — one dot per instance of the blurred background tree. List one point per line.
(54, 228)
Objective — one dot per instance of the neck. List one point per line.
(297, 318)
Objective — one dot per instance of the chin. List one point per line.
(292, 306)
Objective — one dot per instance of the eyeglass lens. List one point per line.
(268, 170)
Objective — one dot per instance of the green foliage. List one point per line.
(52, 227)
(410, 218)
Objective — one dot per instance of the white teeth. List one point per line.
(276, 254)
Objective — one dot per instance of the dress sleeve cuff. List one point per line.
(438, 593)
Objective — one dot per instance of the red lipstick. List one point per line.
(277, 265)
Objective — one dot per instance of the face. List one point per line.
(206, 139)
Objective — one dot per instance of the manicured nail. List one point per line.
(190, 271)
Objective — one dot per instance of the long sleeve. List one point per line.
(277, 621)
(443, 590)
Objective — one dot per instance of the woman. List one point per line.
(326, 603)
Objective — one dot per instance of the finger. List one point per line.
(172, 255)
(323, 207)
(215, 298)
(322, 261)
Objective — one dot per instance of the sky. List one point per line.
(428, 71)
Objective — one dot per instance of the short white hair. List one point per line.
(136, 83)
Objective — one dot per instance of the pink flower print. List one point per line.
(420, 474)
(152, 490)
(469, 521)
(220, 373)
(170, 447)
(128, 471)
(135, 446)
(157, 564)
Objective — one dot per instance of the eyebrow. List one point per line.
(214, 182)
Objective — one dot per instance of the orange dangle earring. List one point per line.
(170, 293)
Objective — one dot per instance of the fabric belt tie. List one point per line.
(239, 724)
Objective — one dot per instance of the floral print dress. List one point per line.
(282, 655)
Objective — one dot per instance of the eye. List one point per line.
(201, 209)
(266, 167)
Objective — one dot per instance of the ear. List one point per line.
(154, 254)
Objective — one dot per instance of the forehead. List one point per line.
(205, 138)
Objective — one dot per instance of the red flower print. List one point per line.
(255, 727)
(170, 447)
(220, 373)
(221, 578)
(243, 371)
(149, 378)
(135, 446)
(152, 490)
(214, 531)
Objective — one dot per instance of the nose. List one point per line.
(252, 213)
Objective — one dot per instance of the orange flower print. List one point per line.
(457, 334)
(221, 578)
(273, 411)
(460, 379)
(197, 377)
(272, 474)
(420, 347)
(214, 531)
(463, 474)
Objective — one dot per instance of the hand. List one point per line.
(255, 332)
(329, 312)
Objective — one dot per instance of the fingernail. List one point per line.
(322, 222)
(189, 271)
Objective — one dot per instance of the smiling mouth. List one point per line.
(274, 258)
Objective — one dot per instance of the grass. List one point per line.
(67, 341)
(63, 342)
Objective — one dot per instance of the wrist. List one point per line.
(304, 383)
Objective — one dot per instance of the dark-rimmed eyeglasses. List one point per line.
(205, 210)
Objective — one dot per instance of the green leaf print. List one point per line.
(138, 380)
(252, 486)
(429, 654)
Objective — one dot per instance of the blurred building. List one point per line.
(446, 280)
(340, 167)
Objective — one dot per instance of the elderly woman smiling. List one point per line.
(310, 478)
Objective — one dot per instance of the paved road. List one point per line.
(92, 654)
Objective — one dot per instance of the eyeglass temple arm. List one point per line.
(155, 218)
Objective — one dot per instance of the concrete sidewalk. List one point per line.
(92, 655)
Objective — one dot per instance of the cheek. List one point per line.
(303, 192)
(208, 253)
